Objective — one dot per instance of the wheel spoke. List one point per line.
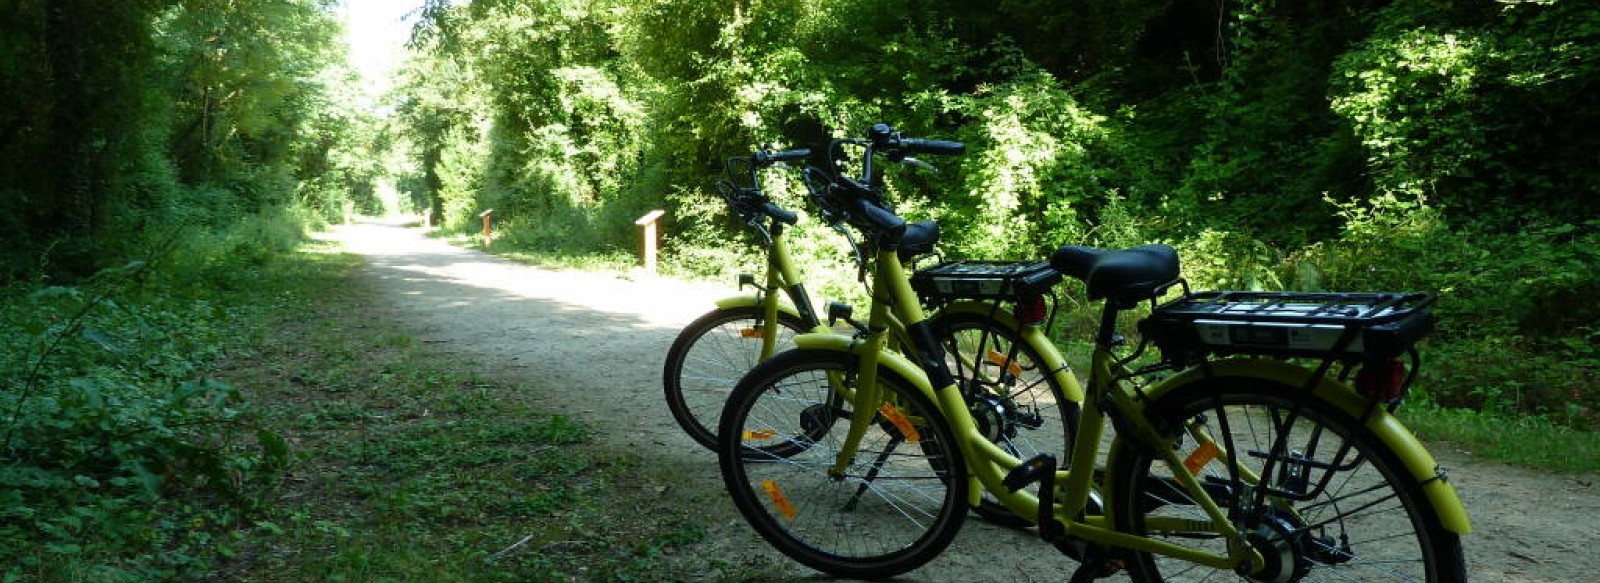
(895, 506)
(1309, 477)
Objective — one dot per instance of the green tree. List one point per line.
(79, 132)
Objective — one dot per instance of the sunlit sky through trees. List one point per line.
(377, 31)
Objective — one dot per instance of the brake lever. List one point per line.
(920, 164)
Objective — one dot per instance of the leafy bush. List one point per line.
(120, 455)
(1468, 108)
(1516, 310)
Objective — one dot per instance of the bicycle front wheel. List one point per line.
(707, 359)
(1312, 490)
(897, 505)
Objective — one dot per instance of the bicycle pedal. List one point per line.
(1089, 571)
(1037, 469)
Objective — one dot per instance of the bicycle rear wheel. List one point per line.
(707, 359)
(1017, 403)
(898, 504)
(1315, 492)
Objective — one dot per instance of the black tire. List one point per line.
(901, 502)
(1368, 520)
(1018, 405)
(708, 358)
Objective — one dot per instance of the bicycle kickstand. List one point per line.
(1096, 561)
(1042, 470)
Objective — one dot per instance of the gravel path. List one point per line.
(592, 345)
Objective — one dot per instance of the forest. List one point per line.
(1434, 145)
(156, 155)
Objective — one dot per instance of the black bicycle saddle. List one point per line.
(1127, 276)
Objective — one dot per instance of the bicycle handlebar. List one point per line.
(884, 137)
(768, 157)
(854, 200)
(748, 202)
(883, 219)
(779, 213)
(935, 147)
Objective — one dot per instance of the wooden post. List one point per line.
(648, 222)
(488, 230)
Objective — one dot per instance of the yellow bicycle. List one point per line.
(996, 343)
(1259, 446)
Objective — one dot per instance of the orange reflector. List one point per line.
(1001, 361)
(1200, 457)
(759, 433)
(900, 422)
(750, 333)
(778, 499)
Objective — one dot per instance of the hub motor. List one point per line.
(993, 417)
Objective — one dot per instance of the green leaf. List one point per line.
(53, 292)
(274, 448)
(98, 337)
(63, 549)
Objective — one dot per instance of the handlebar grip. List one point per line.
(936, 147)
(781, 214)
(880, 217)
(767, 157)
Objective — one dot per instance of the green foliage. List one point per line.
(201, 137)
(1038, 153)
(1526, 440)
(125, 121)
(122, 457)
(1469, 108)
(1413, 145)
(1516, 316)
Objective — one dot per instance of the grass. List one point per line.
(1524, 441)
(413, 466)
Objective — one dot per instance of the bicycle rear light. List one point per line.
(1382, 381)
(1032, 310)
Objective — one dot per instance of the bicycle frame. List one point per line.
(783, 276)
(1107, 398)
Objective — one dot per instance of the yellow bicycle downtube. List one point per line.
(1137, 429)
(1419, 464)
(868, 395)
(935, 375)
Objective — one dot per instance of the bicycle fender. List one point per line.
(751, 301)
(1419, 463)
(889, 359)
(1032, 335)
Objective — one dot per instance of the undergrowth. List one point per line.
(124, 458)
(222, 413)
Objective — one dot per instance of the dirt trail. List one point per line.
(592, 345)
